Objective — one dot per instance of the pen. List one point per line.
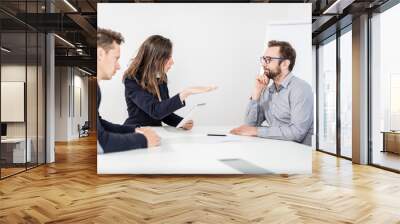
(216, 135)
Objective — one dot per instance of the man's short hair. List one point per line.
(106, 37)
(285, 50)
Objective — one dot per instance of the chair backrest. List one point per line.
(86, 125)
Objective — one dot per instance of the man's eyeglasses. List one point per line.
(267, 60)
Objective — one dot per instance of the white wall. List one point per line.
(17, 73)
(33, 125)
(61, 103)
(14, 73)
(216, 44)
(80, 83)
(68, 82)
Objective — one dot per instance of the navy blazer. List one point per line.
(115, 137)
(145, 109)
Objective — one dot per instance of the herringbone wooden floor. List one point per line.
(70, 191)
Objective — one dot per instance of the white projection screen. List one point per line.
(12, 101)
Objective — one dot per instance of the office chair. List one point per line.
(84, 130)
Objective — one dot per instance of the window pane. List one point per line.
(346, 94)
(13, 85)
(41, 98)
(327, 96)
(31, 98)
(385, 89)
(31, 83)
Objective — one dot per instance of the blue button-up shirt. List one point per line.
(288, 111)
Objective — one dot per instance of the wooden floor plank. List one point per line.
(70, 191)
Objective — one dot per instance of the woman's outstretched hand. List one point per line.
(196, 90)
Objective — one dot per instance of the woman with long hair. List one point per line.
(146, 90)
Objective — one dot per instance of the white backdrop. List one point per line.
(214, 44)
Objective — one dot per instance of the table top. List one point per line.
(193, 152)
(391, 132)
(13, 140)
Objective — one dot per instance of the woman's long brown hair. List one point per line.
(150, 61)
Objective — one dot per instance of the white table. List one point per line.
(193, 152)
(19, 155)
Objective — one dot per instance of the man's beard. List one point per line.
(272, 74)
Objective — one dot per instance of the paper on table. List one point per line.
(189, 116)
(230, 138)
(201, 139)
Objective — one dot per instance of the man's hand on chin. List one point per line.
(245, 130)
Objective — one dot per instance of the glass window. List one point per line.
(346, 94)
(385, 89)
(22, 91)
(31, 97)
(327, 97)
(13, 87)
(41, 79)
